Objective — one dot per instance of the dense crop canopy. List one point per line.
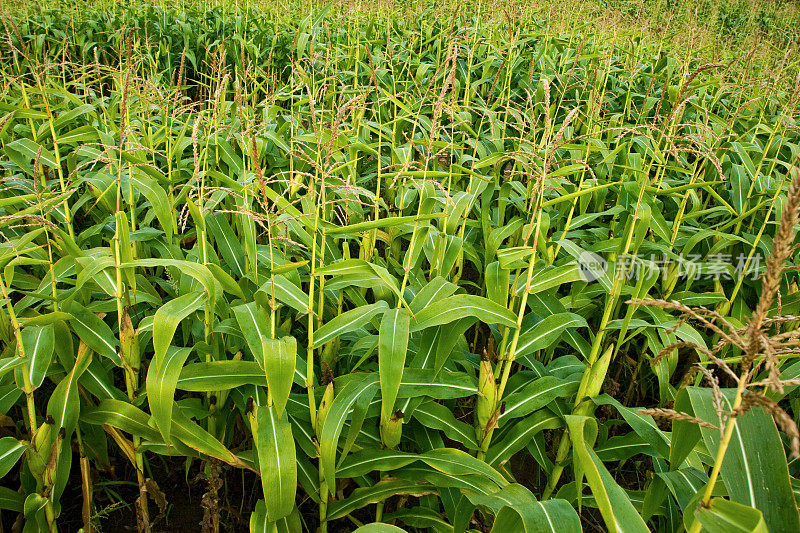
(410, 270)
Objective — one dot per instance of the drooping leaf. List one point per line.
(122, 415)
(437, 416)
(724, 516)
(157, 197)
(618, 512)
(286, 292)
(280, 357)
(39, 343)
(755, 468)
(220, 375)
(197, 438)
(459, 306)
(380, 491)
(254, 324)
(227, 243)
(94, 332)
(64, 405)
(277, 461)
(10, 451)
(536, 395)
(352, 392)
(546, 332)
(347, 321)
(11, 500)
(162, 378)
(516, 509)
(520, 435)
(166, 321)
(392, 347)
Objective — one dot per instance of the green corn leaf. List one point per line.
(39, 343)
(34, 512)
(724, 516)
(220, 375)
(419, 517)
(459, 463)
(259, 522)
(369, 460)
(739, 186)
(94, 332)
(285, 291)
(45, 319)
(122, 415)
(9, 394)
(227, 243)
(355, 390)
(684, 484)
(446, 385)
(29, 150)
(199, 272)
(379, 223)
(435, 290)
(280, 357)
(360, 273)
(380, 491)
(348, 321)
(459, 306)
(546, 332)
(437, 416)
(247, 232)
(162, 377)
(520, 435)
(536, 395)
(197, 438)
(754, 468)
(157, 197)
(623, 447)
(125, 249)
(166, 321)
(392, 347)
(254, 324)
(97, 381)
(11, 500)
(10, 451)
(549, 278)
(277, 462)
(516, 509)
(444, 480)
(498, 280)
(644, 426)
(226, 281)
(10, 363)
(98, 269)
(378, 527)
(618, 512)
(64, 405)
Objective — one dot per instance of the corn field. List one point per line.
(396, 267)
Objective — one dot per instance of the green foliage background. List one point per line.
(341, 249)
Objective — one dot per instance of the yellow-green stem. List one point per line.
(723, 447)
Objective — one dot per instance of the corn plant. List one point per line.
(445, 270)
